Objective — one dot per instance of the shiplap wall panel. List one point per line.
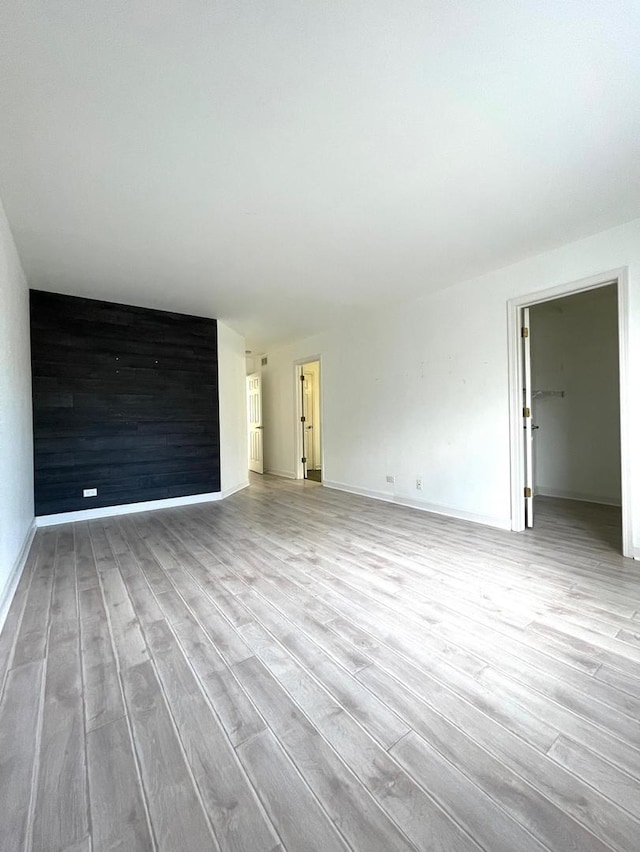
(125, 400)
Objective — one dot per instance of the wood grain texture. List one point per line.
(19, 723)
(361, 821)
(32, 634)
(102, 694)
(118, 816)
(11, 628)
(230, 801)
(61, 806)
(400, 797)
(466, 802)
(301, 669)
(125, 399)
(294, 811)
(176, 811)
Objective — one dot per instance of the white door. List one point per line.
(527, 418)
(254, 410)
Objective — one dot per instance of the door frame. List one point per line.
(297, 409)
(516, 432)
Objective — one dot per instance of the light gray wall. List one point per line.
(574, 348)
(16, 434)
(422, 389)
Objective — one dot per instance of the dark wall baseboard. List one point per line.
(125, 400)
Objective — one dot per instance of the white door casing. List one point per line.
(527, 417)
(254, 410)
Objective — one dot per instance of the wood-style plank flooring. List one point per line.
(301, 669)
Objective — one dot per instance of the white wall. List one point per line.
(16, 441)
(421, 390)
(574, 348)
(233, 409)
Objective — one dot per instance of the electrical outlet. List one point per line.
(391, 480)
(419, 484)
(89, 492)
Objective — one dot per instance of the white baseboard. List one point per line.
(459, 514)
(234, 489)
(576, 495)
(130, 508)
(14, 576)
(286, 474)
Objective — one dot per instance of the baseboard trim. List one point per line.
(423, 506)
(234, 489)
(285, 474)
(130, 508)
(561, 494)
(16, 572)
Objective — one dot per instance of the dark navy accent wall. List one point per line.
(125, 400)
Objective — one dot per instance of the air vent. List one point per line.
(264, 361)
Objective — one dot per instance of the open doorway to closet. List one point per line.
(575, 390)
(567, 417)
(308, 420)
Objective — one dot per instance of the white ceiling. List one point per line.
(276, 164)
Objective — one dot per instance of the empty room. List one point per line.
(319, 459)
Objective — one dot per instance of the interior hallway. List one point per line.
(302, 669)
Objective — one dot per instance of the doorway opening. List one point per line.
(568, 402)
(308, 420)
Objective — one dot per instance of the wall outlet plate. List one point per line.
(419, 484)
(391, 480)
(89, 492)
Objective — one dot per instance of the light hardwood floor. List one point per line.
(301, 669)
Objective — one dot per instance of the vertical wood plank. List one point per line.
(118, 816)
(128, 641)
(10, 630)
(61, 810)
(176, 811)
(363, 823)
(32, 636)
(292, 808)
(19, 720)
(233, 808)
(102, 692)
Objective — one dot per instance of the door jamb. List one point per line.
(516, 433)
(297, 443)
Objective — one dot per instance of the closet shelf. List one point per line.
(539, 394)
